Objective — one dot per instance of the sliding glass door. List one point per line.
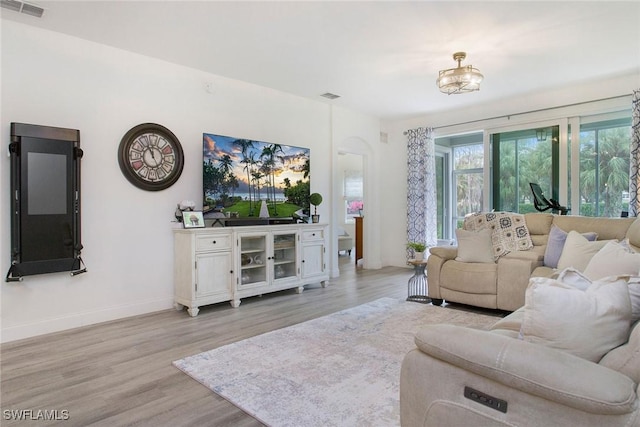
(604, 167)
(522, 157)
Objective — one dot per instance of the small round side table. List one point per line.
(417, 287)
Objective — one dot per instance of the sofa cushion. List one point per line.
(607, 228)
(626, 358)
(471, 278)
(512, 322)
(555, 244)
(578, 251)
(612, 259)
(539, 223)
(474, 246)
(587, 323)
(509, 230)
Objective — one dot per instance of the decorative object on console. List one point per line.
(151, 157)
(193, 220)
(460, 79)
(185, 205)
(315, 199)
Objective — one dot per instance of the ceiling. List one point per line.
(382, 58)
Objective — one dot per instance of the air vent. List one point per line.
(384, 137)
(19, 6)
(330, 95)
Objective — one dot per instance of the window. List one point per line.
(442, 194)
(468, 181)
(604, 167)
(353, 194)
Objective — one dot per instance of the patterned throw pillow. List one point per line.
(509, 231)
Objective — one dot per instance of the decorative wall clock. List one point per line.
(151, 157)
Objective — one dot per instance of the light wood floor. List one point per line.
(120, 373)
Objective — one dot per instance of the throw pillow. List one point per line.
(578, 251)
(634, 294)
(474, 247)
(571, 276)
(555, 244)
(509, 231)
(587, 323)
(613, 259)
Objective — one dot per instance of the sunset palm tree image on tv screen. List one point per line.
(242, 177)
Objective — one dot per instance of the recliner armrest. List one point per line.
(531, 368)
(444, 252)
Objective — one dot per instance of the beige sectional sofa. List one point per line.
(511, 382)
(502, 284)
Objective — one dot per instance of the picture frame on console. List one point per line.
(193, 219)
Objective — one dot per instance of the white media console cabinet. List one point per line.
(229, 263)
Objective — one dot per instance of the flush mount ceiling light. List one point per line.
(460, 79)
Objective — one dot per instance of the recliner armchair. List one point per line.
(459, 376)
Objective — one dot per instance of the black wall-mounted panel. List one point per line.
(45, 200)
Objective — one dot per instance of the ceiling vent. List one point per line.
(22, 7)
(330, 95)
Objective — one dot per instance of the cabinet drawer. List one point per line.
(213, 242)
(312, 235)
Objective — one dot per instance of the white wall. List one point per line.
(56, 80)
(348, 137)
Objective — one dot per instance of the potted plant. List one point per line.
(418, 250)
(315, 199)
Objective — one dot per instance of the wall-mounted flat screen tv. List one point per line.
(243, 177)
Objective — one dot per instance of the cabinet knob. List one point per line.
(231, 272)
(214, 242)
(302, 260)
(313, 234)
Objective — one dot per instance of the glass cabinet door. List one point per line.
(253, 259)
(284, 256)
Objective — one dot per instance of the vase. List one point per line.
(315, 219)
(419, 256)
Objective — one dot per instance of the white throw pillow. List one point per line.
(634, 294)
(587, 323)
(571, 276)
(578, 251)
(613, 259)
(474, 246)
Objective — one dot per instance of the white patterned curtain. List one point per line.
(421, 187)
(634, 176)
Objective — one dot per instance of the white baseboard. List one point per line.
(80, 319)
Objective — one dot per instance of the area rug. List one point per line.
(338, 370)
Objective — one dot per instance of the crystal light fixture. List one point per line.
(461, 79)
